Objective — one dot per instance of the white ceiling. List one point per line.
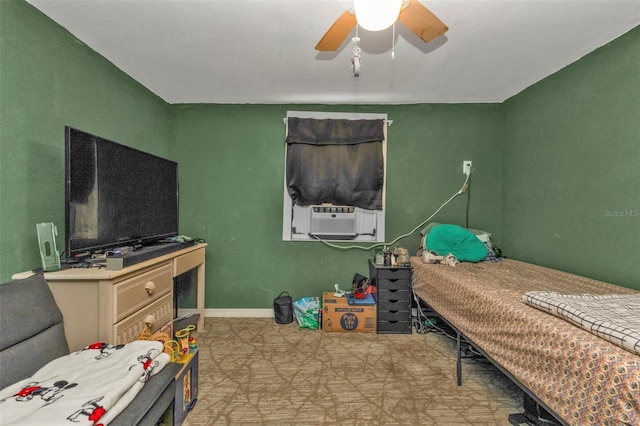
(262, 51)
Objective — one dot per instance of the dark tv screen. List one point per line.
(116, 195)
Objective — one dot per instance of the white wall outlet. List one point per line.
(466, 167)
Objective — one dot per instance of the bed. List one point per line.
(579, 377)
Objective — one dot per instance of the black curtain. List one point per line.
(335, 161)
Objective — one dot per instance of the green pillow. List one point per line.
(455, 240)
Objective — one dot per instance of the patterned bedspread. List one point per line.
(613, 317)
(581, 377)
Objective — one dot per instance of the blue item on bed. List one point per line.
(453, 239)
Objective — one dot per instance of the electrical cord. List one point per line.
(468, 203)
(459, 192)
(422, 327)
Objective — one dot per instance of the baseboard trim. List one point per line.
(231, 313)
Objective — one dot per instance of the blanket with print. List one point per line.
(613, 317)
(88, 387)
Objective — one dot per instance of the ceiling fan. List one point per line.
(420, 20)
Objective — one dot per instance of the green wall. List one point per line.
(571, 170)
(232, 170)
(48, 79)
(548, 165)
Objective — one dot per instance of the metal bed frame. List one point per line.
(536, 412)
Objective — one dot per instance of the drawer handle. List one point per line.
(150, 320)
(150, 287)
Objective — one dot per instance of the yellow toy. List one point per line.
(173, 349)
(178, 349)
(159, 336)
(184, 337)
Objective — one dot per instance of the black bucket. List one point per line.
(283, 308)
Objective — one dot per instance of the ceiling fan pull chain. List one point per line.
(356, 47)
(393, 42)
(355, 59)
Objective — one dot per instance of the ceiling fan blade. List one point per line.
(421, 21)
(338, 32)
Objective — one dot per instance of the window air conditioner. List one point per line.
(334, 222)
(309, 223)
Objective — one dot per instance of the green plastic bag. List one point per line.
(306, 311)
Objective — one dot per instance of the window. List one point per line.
(334, 184)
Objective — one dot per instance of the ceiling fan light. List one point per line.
(376, 15)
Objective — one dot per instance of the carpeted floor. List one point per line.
(255, 372)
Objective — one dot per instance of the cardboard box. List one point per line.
(338, 315)
(186, 388)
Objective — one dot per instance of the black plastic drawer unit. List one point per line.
(393, 297)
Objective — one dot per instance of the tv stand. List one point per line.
(101, 305)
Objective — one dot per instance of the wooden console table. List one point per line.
(99, 305)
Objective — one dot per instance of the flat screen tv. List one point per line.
(116, 195)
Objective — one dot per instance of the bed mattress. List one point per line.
(581, 377)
